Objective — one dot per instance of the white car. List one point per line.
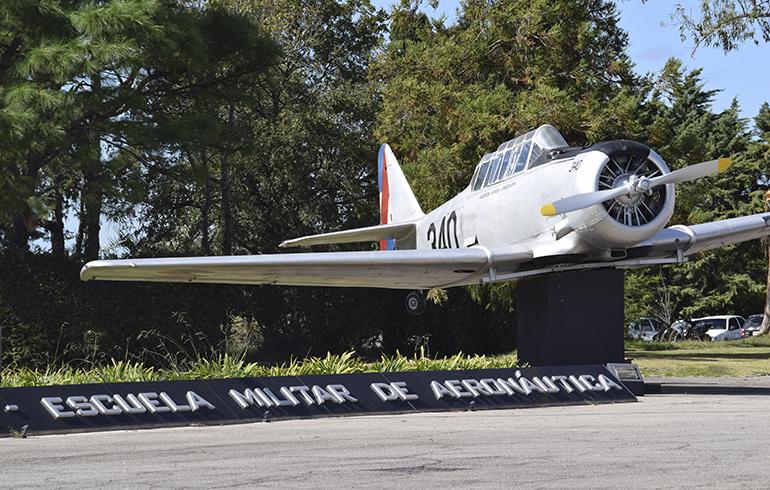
(720, 327)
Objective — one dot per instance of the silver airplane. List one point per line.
(534, 206)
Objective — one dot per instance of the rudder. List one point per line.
(397, 201)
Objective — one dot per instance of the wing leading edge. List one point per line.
(400, 269)
(689, 240)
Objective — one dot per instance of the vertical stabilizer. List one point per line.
(397, 201)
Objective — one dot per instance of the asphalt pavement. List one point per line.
(686, 437)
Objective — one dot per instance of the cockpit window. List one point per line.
(506, 160)
(514, 157)
(535, 156)
(519, 154)
(482, 173)
(523, 157)
(493, 168)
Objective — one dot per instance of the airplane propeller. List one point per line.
(635, 185)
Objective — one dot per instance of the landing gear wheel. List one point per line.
(415, 303)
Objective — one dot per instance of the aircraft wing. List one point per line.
(399, 269)
(706, 236)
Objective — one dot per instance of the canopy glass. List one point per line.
(517, 155)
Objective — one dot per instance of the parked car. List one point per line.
(645, 328)
(676, 331)
(751, 327)
(718, 327)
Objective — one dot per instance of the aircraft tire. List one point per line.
(415, 303)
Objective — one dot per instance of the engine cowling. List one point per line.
(627, 219)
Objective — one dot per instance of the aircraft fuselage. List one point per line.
(507, 211)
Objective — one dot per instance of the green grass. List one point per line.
(750, 357)
(231, 367)
(746, 357)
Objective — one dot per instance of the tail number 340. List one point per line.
(446, 237)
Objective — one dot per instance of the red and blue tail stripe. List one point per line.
(382, 180)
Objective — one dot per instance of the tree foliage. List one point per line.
(450, 94)
(725, 24)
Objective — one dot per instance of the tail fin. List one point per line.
(397, 201)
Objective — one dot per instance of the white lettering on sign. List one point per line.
(439, 390)
(321, 395)
(290, 401)
(99, 402)
(197, 402)
(82, 406)
(397, 390)
(109, 405)
(152, 403)
(303, 391)
(291, 396)
(172, 404)
(53, 404)
(516, 385)
(608, 384)
(130, 404)
(341, 394)
(384, 391)
(492, 386)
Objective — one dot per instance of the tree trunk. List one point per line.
(206, 209)
(92, 204)
(78, 252)
(226, 190)
(227, 211)
(19, 233)
(25, 221)
(92, 194)
(56, 225)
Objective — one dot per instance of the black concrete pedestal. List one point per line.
(571, 318)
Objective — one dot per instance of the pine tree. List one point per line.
(86, 81)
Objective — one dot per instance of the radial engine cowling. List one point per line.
(630, 218)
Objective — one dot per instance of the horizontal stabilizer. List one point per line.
(368, 234)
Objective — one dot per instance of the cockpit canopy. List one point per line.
(521, 153)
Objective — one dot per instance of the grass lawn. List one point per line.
(746, 357)
(232, 367)
(750, 357)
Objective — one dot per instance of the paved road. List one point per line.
(719, 439)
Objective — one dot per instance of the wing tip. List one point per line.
(87, 273)
(723, 164)
(548, 210)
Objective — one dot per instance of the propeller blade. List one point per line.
(692, 172)
(580, 201)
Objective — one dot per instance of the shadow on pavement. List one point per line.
(701, 389)
(696, 356)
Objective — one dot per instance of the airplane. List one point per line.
(534, 206)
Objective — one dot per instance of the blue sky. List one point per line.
(653, 38)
